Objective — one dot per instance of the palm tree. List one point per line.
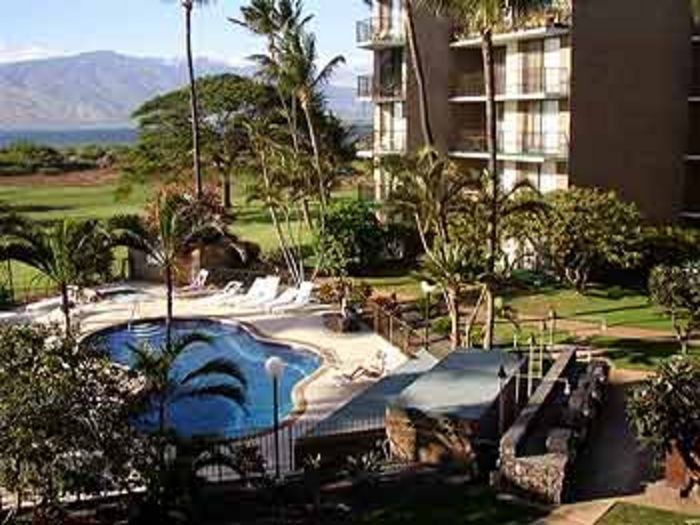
(188, 7)
(301, 75)
(54, 252)
(175, 233)
(485, 15)
(161, 388)
(273, 19)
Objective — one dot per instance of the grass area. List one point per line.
(627, 514)
(639, 354)
(453, 506)
(78, 202)
(618, 306)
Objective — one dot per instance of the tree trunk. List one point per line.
(494, 182)
(414, 50)
(473, 317)
(65, 306)
(226, 190)
(453, 307)
(317, 157)
(194, 108)
(169, 308)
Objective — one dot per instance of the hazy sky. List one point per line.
(38, 28)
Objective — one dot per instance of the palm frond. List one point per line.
(232, 393)
(221, 366)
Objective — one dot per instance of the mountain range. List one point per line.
(103, 88)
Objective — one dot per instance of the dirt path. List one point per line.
(73, 178)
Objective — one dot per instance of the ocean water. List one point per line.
(70, 137)
(207, 416)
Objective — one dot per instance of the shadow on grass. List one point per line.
(639, 353)
(39, 208)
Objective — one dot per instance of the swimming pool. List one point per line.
(210, 416)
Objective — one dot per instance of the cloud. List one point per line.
(23, 53)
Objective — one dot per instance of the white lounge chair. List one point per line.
(300, 299)
(231, 290)
(287, 297)
(254, 292)
(265, 294)
(199, 282)
(372, 369)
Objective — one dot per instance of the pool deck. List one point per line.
(318, 396)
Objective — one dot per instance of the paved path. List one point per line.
(614, 468)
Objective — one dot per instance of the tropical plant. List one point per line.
(178, 224)
(64, 417)
(665, 413)
(355, 238)
(586, 229)
(677, 290)
(485, 15)
(160, 388)
(301, 76)
(66, 253)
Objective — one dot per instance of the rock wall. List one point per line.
(539, 450)
(417, 437)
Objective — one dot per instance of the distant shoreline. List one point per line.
(70, 137)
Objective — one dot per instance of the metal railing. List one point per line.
(395, 330)
(287, 454)
(386, 89)
(527, 143)
(378, 30)
(552, 81)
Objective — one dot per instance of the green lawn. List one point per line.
(453, 506)
(626, 514)
(618, 306)
(80, 202)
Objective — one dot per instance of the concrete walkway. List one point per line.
(614, 468)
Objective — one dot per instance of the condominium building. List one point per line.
(589, 93)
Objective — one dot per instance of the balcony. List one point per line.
(379, 33)
(388, 90)
(513, 146)
(527, 83)
(389, 142)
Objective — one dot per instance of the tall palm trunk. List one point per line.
(194, 108)
(317, 156)
(65, 306)
(169, 307)
(412, 37)
(452, 298)
(492, 146)
(226, 190)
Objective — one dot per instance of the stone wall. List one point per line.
(417, 437)
(539, 450)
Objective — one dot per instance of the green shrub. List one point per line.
(355, 240)
(442, 326)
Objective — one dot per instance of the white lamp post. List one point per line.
(274, 367)
(427, 289)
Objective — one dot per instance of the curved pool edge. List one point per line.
(299, 401)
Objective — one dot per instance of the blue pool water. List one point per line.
(215, 416)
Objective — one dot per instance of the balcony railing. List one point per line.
(387, 89)
(525, 81)
(378, 31)
(383, 142)
(537, 143)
